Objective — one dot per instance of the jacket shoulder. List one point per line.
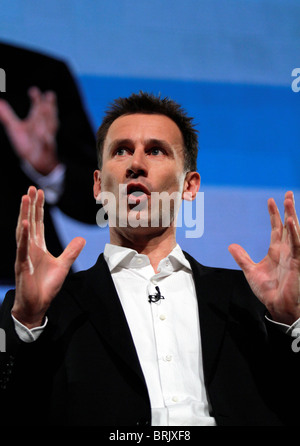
(226, 284)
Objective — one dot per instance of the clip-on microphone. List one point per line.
(155, 297)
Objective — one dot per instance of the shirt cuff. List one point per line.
(52, 184)
(26, 334)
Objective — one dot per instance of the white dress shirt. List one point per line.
(166, 334)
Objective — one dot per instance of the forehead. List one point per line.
(139, 127)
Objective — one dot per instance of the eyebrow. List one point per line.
(148, 142)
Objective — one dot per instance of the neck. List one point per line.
(156, 246)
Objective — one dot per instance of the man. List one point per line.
(46, 140)
(148, 336)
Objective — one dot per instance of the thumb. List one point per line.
(7, 115)
(241, 257)
(72, 251)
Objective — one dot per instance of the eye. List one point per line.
(121, 151)
(156, 151)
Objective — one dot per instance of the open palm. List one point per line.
(34, 138)
(39, 275)
(275, 280)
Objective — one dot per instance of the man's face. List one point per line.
(145, 154)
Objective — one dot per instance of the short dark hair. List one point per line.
(148, 103)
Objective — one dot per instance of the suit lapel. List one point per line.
(100, 300)
(213, 311)
(105, 311)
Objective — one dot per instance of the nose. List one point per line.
(137, 165)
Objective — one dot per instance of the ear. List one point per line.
(97, 184)
(191, 186)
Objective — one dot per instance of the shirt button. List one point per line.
(168, 358)
(175, 399)
(139, 261)
(162, 317)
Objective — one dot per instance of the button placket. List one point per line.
(163, 337)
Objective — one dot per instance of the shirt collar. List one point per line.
(118, 256)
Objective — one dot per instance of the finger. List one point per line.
(49, 104)
(290, 194)
(23, 215)
(275, 219)
(32, 193)
(35, 96)
(285, 230)
(7, 115)
(50, 98)
(43, 114)
(39, 220)
(49, 114)
(23, 244)
(18, 227)
(294, 238)
(241, 257)
(290, 209)
(71, 252)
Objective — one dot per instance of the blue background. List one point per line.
(229, 63)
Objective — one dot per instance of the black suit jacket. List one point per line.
(75, 148)
(84, 369)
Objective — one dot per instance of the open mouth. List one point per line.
(137, 193)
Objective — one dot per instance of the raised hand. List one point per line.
(276, 279)
(34, 138)
(39, 275)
